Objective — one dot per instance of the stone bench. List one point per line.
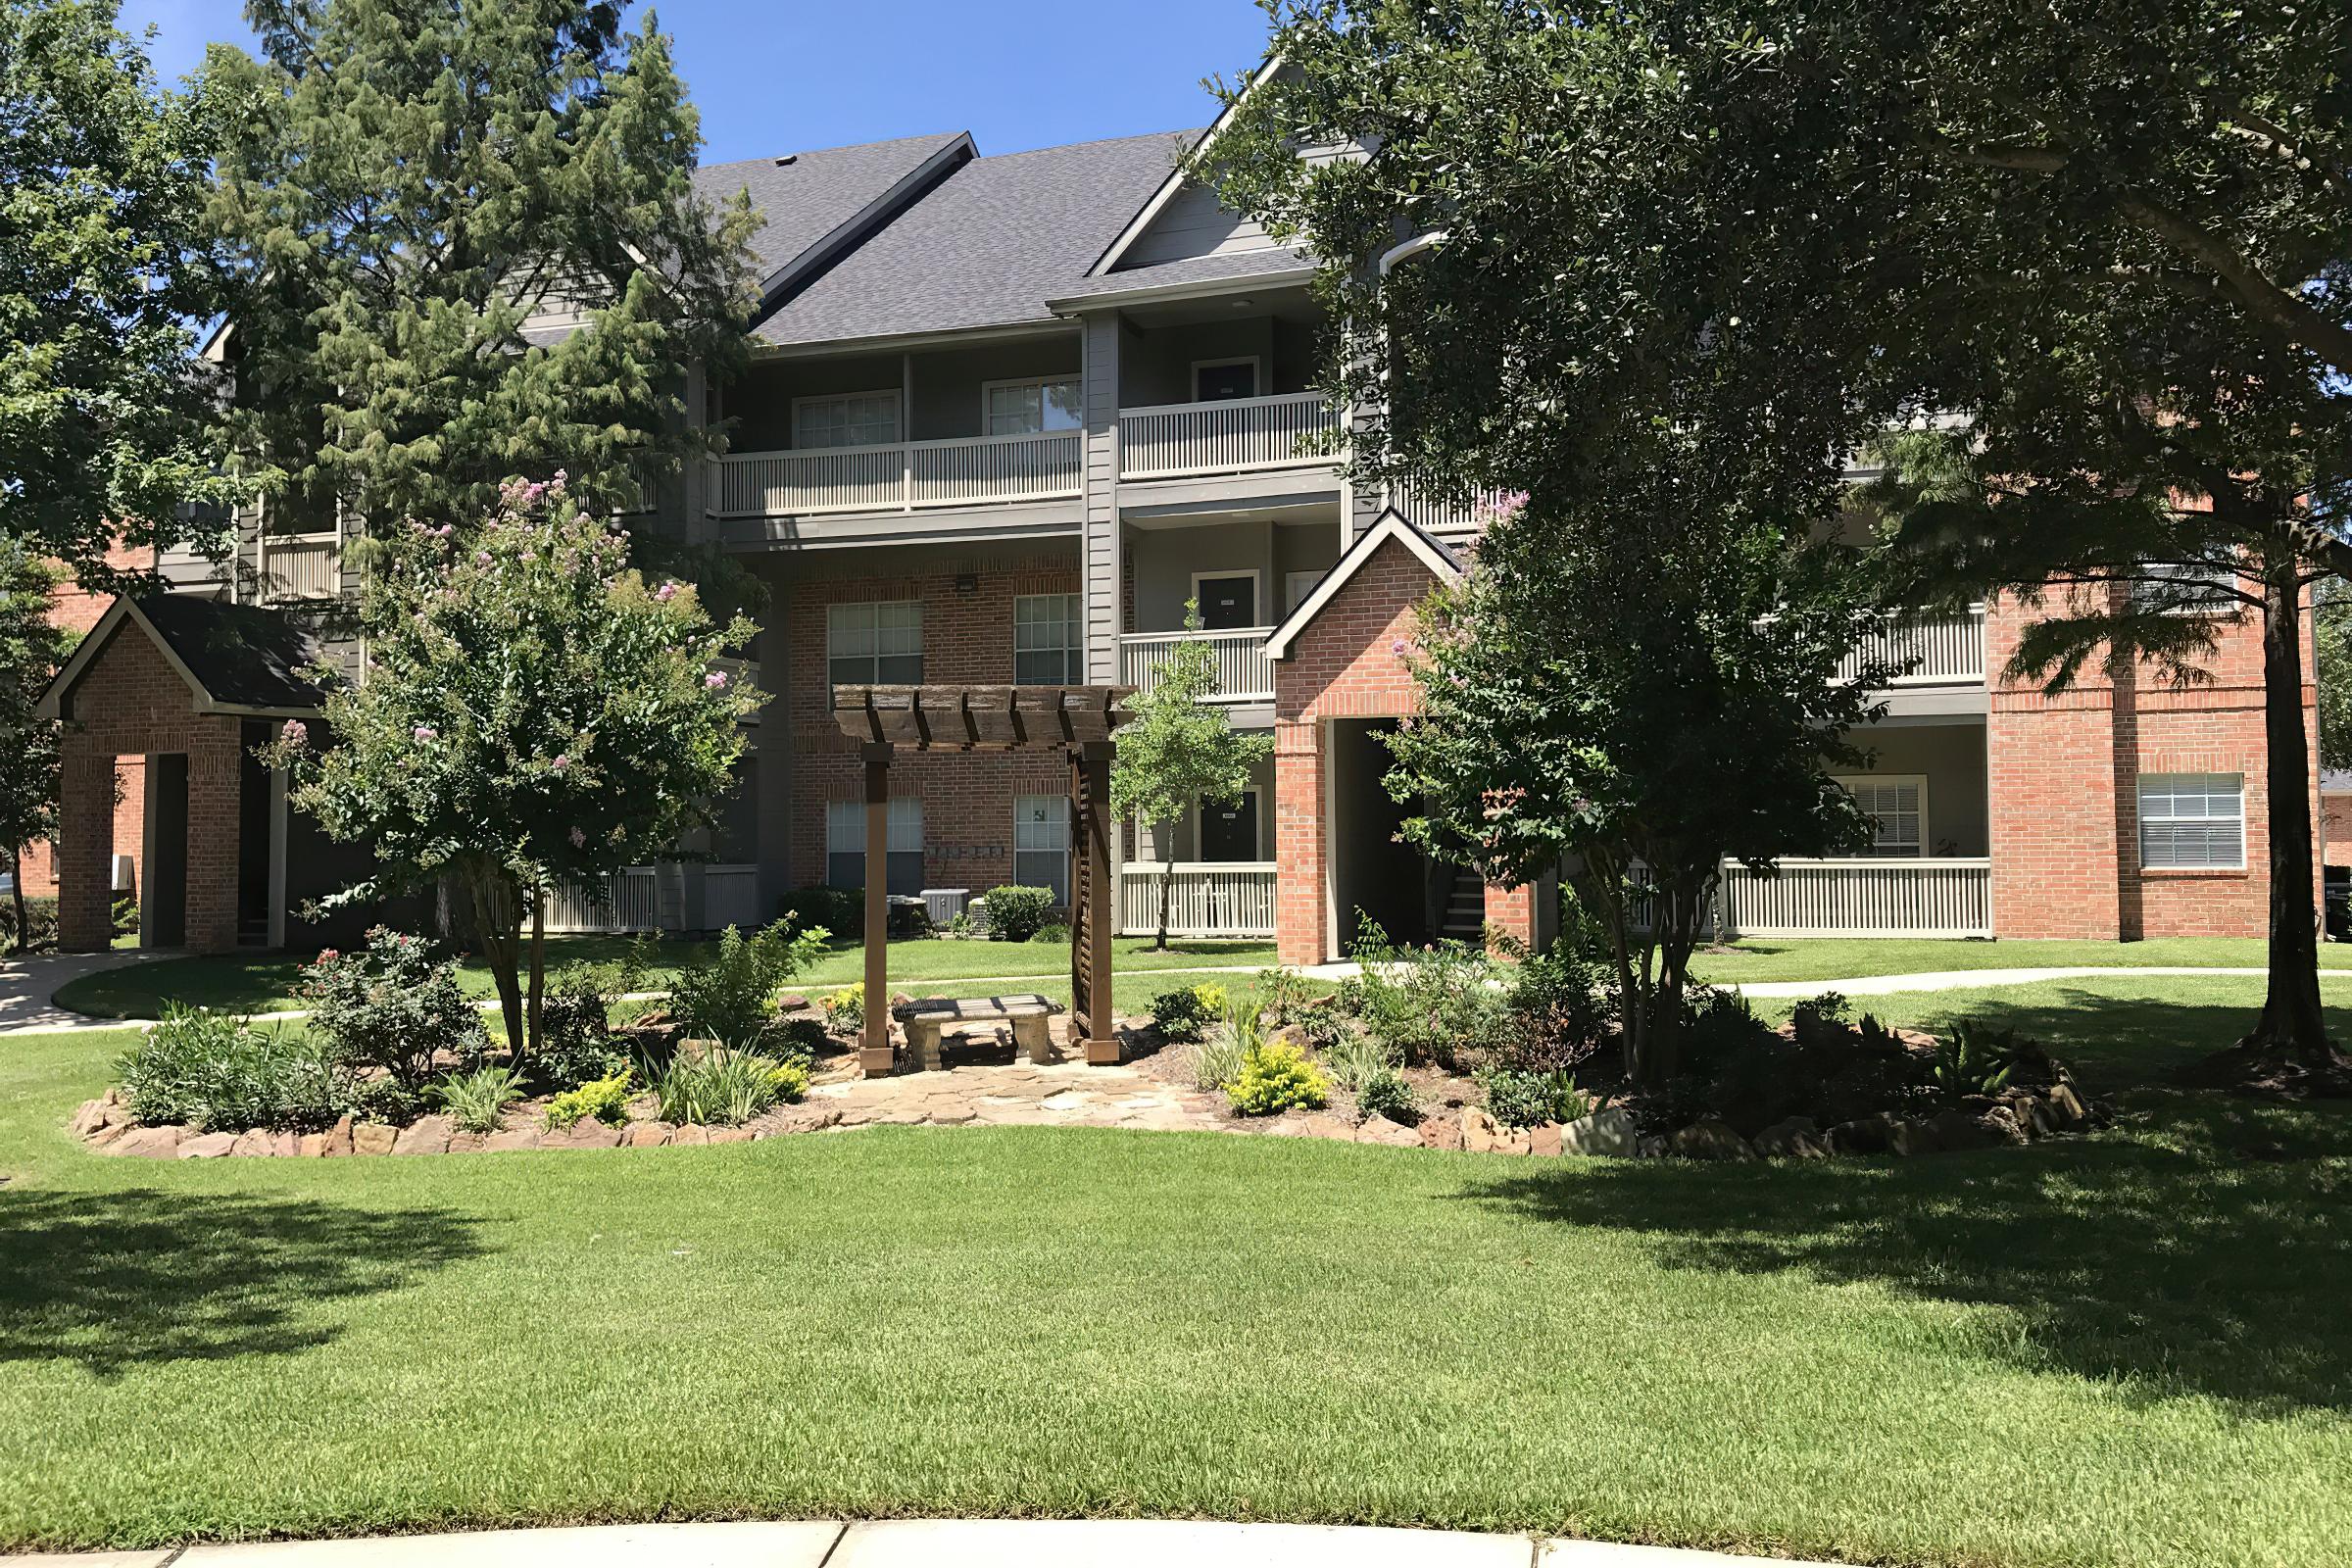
(928, 1020)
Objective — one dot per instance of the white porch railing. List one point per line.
(1866, 897)
(1234, 435)
(625, 902)
(1436, 516)
(305, 565)
(899, 478)
(1206, 899)
(1949, 649)
(1244, 674)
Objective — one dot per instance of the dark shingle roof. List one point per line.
(801, 202)
(243, 654)
(987, 247)
(1276, 262)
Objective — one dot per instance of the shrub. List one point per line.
(604, 1098)
(478, 1101)
(1436, 1003)
(1384, 1093)
(845, 1011)
(730, 996)
(1975, 1060)
(576, 1030)
(839, 912)
(1520, 1099)
(1353, 1060)
(126, 918)
(1212, 996)
(1180, 1014)
(1283, 995)
(392, 1006)
(1555, 1012)
(726, 1088)
(1016, 914)
(1276, 1077)
(801, 1040)
(223, 1075)
(1719, 1027)
(40, 916)
(1055, 933)
(1820, 1017)
(1219, 1050)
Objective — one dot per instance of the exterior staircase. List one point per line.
(1466, 911)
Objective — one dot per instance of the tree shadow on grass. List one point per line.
(2202, 1246)
(113, 1280)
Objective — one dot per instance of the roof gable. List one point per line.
(234, 658)
(1392, 528)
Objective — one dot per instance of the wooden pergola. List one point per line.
(1080, 721)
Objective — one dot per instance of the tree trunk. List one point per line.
(494, 921)
(16, 881)
(2289, 1047)
(538, 960)
(1167, 896)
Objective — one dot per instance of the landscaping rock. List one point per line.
(730, 1134)
(1381, 1130)
(466, 1143)
(208, 1146)
(2002, 1123)
(252, 1145)
(107, 1135)
(2066, 1107)
(1651, 1145)
(1544, 1139)
(1711, 1137)
(650, 1134)
(1322, 1124)
(374, 1137)
(512, 1137)
(691, 1135)
(1604, 1132)
(1917, 1136)
(1441, 1132)
(147, 1142)
(1483, 1134)
(426, 1135)
(89, 1118)
(1794, 1138)
(1959, 1129)
(586, 1132)
(1864, 1135)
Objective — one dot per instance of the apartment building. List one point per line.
(1006, 417)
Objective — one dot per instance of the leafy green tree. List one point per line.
(403, 185)
(108, 424)
(31, 651)
(1635, 691)
(1788, 228)
(534, 713)
(1180, 747)
(2332, 638)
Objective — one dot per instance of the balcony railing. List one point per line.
(1244, 674)
(900, 477)
(1235, 435)
(305, 565)
(1205, 898)
(1949, 649)
(1880, 897)
(1432, 515)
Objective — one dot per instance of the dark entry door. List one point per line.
(1228, 604)
(1229, 832)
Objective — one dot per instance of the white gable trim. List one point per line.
(94, 642)
(1168, 188)
(1391, 527)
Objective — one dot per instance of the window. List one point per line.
(1025, 407)
(2192, 821)
(1041, 844)
(2185, 588)
(1219, 380)
(854, 419)
(845, 845)
(874, 645)
(1048, 649)
(1897, 810)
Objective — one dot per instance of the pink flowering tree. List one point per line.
(533, 712)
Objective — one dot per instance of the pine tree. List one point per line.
(30, 650)
(403, 185)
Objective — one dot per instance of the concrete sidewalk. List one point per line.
(28, 983)
(922, 1543)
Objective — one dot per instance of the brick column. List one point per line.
(1298, 840)
(1511, 912)
(86, 846)
(214, 831)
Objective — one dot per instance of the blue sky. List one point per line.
(782, 76)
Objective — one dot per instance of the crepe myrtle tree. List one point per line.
(1631, 696)
(533, 712)
(1180, 747)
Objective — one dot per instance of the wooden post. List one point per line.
(1089, 767)
(874, 1053)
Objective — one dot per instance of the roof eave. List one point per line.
(1197, 288)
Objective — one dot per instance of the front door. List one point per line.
(1229, 830)
(1222, 382)
(1228, 604)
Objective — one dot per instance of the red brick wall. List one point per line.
(967, 638)
(130, 702)
(2065, 791)
(77, 611)
(2335, 806)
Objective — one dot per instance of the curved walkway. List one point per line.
(925, 1544)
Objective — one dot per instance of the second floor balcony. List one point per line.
(1244, 672)
(901, 475)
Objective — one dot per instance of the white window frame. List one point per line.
(1257, 377)
(2238, 820)
(1040, 382)
(1257, 851)
(1022, 805)
(874, 658)
(844, 824)
(897, 416)
(1851, 782)
(1257, 587)
(1073, 652)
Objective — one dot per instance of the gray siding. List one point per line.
(1192, 224)
(1100, 552)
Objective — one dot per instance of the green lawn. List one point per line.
(1837, 958)
(264, 982)
(2126, 1349)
